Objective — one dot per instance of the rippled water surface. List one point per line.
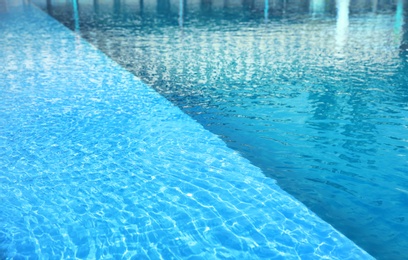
(315, 93)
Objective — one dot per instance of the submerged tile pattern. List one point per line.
(95, 164)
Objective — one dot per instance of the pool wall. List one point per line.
(96, 164)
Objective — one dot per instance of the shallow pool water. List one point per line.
(313, 92)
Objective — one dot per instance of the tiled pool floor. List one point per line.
(95, 164)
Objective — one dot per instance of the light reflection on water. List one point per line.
(315, 93)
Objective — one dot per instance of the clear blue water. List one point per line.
(95, 164)
(314, 93)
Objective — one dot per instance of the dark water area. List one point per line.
(315, 93)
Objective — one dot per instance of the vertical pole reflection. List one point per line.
(163, 6)
(266, 10)
(399, 21)
(404, 35)
(96, 6)
(342, 24)
(316, 7)
(374, 5)
(205, 5)
(49, 7)
(141, 3)
(76, 14)
(181, 12)
(116, 7)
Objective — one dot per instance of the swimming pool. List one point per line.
(313, 93)
(95, 164)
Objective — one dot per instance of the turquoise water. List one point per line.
(95, 164)
(314, 93)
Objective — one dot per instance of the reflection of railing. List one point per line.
(317, 7)
(266, 10)
(399, 21)
(181, 11)
(76, 14)
(267, 7)
(181, 8)
(342, 24)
